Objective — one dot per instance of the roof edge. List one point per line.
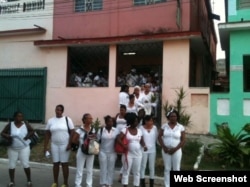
(117, 39)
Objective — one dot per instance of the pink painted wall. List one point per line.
(118, 18)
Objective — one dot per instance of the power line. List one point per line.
(48, 12)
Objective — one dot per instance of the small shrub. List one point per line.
(177, 105)
(233, 149)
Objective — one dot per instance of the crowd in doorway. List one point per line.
(89, 79)
(131, 78)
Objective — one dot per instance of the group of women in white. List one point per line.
(142, 97)
(141, 132)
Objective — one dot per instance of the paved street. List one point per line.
(42, 173)
(42, 176)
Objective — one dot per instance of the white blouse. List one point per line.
(59, 130)
(107, 139)
(134, 146)
(18, 135)
(150, 138)
(120, 123)
(172, 137)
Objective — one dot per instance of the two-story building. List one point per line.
(173, 42)
(233, 106)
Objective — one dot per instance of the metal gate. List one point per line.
(23, 90)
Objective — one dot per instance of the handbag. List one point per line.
(120, 148)
(6, 141)
(34, 138)
(75, 141)
(94, 147)
(90, 146)
(74, 138)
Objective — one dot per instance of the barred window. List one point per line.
(147, 2)
(243, 4)
(87, 5)
(88, 66)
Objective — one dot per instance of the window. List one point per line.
(243, 4)
(147, 2)
(246, 73)
(87, 5)
(88, 66)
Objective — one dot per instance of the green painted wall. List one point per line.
(235, 15)
(239, 46)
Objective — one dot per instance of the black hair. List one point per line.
(175, 112)
(16, 113)
(61, 106)
(124, 87)
(106, 118)
(130, 117)
(131, 96)
(85, 116)
(123, 106)
(147, 118)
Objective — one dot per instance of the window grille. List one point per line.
(243, 4)
(147, 2)
(87, 5)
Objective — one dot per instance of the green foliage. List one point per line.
(190, 151)
(153, 98)
(96, 124)
(232, 149)
(178, 105)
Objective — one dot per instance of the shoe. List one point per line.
(29, 184)
(120, 178)
(11, 184)
(54, 185)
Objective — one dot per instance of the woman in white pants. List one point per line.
(56, 132)
(18, 132)
(82, 158)
(120, 123)
(107, 155)
(171, 138)
(150, 135)
(132, 159)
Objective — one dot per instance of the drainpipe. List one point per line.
(178, 14)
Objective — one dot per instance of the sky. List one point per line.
(218, 8)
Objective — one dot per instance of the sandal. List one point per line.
(11, 184)
(29, 184)
(54, 185)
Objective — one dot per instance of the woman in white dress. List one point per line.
(120, 121)
(83, 159)
(120, 124)
(132, 105)
(18, 133)
(123, 95)
(171, 138)
(132, 159)
(150, 135)
(107, 155)
(138, 96)
(57, 132)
